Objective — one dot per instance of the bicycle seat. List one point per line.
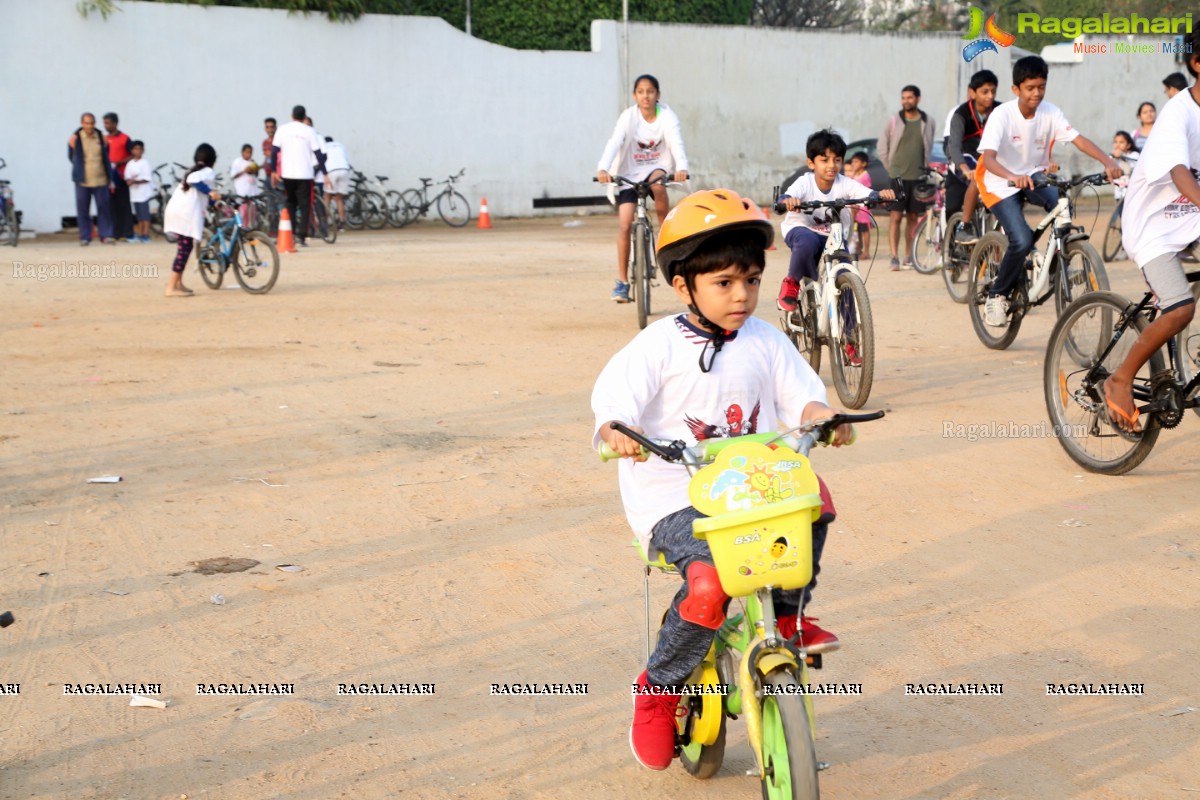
(427, 181)
(381, 178)
(660, 562)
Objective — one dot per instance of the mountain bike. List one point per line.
(10, 217)
(250, 253)
(1089, 342)
(643, 266)
(761, 498)
(956, 254)
(452, 207)
(835, 311)
(930, 237)
(1068, 266)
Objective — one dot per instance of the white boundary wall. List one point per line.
(413, 96)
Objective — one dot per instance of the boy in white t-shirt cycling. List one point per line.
(1161, 218)
(1015, 147)
(716, 371)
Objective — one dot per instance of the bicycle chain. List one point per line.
(1168, 397)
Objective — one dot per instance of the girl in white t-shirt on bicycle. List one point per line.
(645, 143)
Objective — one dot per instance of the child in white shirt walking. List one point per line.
(140, 178)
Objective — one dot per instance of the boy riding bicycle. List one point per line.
(1161, 218)
(669, 383)
(805, 232)
(1015, 148)
(962, 149)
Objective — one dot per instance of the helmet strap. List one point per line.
(719, 334)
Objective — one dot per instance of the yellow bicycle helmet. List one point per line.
(702, 214)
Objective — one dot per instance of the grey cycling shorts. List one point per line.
(1168, 280)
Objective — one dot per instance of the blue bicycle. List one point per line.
(250, 253)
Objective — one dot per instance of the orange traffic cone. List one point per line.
(485, 219)
(285, 244)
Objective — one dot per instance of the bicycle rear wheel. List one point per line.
(640, 276)
(927, 244)
(375, 212)
(985, 263)
(355, 211)
(1112, 235)
(955, 261)
(852, 354)
(256, 262)
(789, 755)
(397, 212)
(453, 209)
(1073, 377)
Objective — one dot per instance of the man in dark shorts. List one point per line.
(905, 148)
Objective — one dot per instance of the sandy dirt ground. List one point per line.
(406, 416)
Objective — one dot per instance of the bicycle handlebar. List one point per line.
(664, 180)
(1047, 179)
(818, 431)
(808, 205)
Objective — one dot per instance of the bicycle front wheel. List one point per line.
(355, 210)
(984, 266)
(453, 209)
(1112, 235)
(1080, 271)
(256, 262)
(927, 244)
(955, 261)
(397, 213)
(852, 354)
(1073, 376)
(640, 276)
(788, 752)
(211, 263)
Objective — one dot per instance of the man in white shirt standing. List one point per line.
(293, 149)
(337, 176)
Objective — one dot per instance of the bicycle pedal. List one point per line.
(814, 661)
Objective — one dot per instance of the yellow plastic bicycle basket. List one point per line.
(766, 546)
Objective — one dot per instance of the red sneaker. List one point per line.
(852, 356)
(789, 294)
(817, 639)
(652, 734)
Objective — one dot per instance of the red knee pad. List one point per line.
(705, 601)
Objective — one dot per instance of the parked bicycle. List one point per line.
(930, 237)
(10, 217)
(365, 207)
(452, 207)
(163, 187)
(1068, 266)
(956, 252)
(251, 254)
(760, 541)
(1089, 342)
(835, 311)
(643, 265)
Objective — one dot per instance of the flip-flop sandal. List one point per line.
(1111, 409)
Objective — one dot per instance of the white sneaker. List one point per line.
(996, 311)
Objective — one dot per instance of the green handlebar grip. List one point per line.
(608, 454)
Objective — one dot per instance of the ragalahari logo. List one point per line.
(994, 36)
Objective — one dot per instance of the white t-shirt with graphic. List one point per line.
(139, 170)
(638, 147)
(758, 383)
(819, 220)
(1158, 219)
(1022, 145)
(297, 145)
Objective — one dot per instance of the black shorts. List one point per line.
(862, 227)
(627, 196)
(910, 204)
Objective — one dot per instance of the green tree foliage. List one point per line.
(522, 24)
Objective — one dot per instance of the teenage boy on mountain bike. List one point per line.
(716, 371)
(1161, 218)
(1015, 148)
(962, 149)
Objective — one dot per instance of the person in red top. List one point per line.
(119, 155)
(268, 164)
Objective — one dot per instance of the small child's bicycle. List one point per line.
(835, 310)
(251, 253)
(762, 496)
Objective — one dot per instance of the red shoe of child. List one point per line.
(789, 295)
(814, 638)
(652, 734)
